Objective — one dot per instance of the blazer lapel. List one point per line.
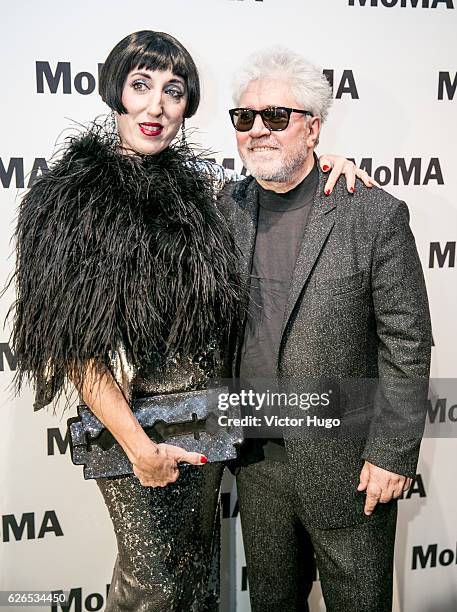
(244, 230)
(245, 225)
(322, 219)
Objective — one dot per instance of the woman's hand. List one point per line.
(157, 464)
(340, 165)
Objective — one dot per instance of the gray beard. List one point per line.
(279, 175)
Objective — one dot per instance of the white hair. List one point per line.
(308, 84)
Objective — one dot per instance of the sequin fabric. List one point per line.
(180, 374)
(168, 538)
(168, 542)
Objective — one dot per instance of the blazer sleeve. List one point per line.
(404, 336)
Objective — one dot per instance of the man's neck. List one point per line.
(296, 179)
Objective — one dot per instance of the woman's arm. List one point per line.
(155, 465)
(340, 165)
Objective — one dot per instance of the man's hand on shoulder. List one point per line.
(380, 485)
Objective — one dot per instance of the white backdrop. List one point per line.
(386, 57)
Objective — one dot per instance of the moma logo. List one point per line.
(447, 85)
(229, 507)
(440, 412)
(7, 357)
(448, 4)
(416, 488)
(432, 556)
(12, 172)
(342, 84)
(244, 578)
(30, 527)
(442, 254)
(78, 602)
(402, 171)
(61, 78)
(56, 442)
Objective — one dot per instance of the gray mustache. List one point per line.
(263, 143)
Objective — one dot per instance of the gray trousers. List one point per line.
(355, 563)
(168, 542)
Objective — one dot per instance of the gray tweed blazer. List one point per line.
(357, 309)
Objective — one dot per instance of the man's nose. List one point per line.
(259, 128)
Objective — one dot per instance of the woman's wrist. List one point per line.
(138, 446)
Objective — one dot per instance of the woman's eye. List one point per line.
(174, 92)
(139, 86)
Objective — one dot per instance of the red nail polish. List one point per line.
(327, 192)
(352, 189)
(203, 460)
(325, 168)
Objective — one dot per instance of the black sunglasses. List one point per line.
(275, 118)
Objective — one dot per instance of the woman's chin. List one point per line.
(144, 148)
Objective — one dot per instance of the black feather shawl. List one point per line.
(119, 250)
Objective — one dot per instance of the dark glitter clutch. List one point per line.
(189, 420)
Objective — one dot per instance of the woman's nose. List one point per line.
(155, 104)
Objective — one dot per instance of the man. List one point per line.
(336, 293)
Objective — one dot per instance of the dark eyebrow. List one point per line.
(143, 74)
(147, 76)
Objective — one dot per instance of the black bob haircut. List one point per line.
(151, 51)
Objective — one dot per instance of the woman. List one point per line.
(124, 277)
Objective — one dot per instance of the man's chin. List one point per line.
(265, 173)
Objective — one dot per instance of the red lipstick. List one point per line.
(151, 129)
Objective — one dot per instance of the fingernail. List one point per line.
(203, 459)
(352, 189)
(368, 513)
(325, 168)
(327, 192)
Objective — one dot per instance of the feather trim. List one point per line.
(117, 251)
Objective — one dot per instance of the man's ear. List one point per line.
(314, 125)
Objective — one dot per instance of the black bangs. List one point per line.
(152, 51)
(161, 56)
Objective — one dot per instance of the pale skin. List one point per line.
(264, 153)
(156, 102)
(380, 486)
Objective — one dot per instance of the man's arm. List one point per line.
(404, 332)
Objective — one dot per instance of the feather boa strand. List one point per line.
(119, 250)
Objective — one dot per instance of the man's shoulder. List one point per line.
(236, 194)
(370, 204)
(238, 189)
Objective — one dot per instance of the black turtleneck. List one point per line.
(281, 222)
